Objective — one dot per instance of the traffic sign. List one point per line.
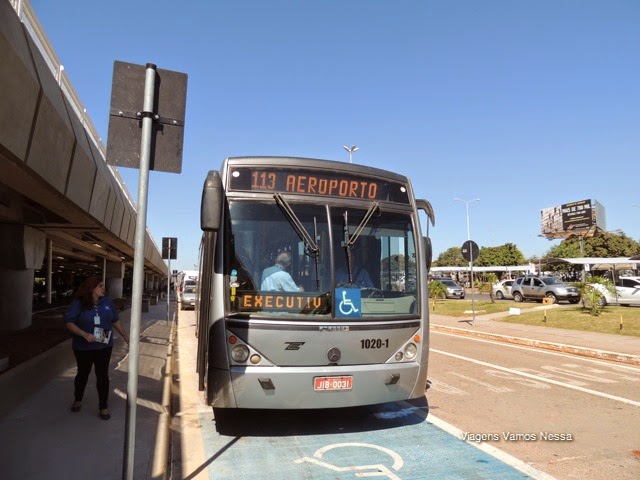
(470, 251)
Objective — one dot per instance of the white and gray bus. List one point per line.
(319, 333)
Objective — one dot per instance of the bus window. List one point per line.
(263, 237)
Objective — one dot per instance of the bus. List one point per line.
(317, 337)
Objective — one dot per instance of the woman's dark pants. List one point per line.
(86, 359)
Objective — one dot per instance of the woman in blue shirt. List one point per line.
(91, 319)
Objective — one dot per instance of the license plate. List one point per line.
(332, 383)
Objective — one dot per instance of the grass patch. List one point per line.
(576, 318)
(456, 308)
(572, 317)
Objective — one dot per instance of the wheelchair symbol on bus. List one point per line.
(348, 302)
(372, 470)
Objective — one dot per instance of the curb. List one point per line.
(162, 460)
(557, 347)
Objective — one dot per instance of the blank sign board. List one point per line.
(125, 118)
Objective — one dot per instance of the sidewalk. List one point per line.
(41, 438)
(620, 348)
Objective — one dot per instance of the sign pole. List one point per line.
(138, 271)
(473, 293)
(470, 251)
(168, 292)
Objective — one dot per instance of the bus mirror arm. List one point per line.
(426, 207)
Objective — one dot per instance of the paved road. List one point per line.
(566, 415)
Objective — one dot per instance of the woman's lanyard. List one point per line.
(96, 317)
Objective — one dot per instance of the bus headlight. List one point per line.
(240, 353)
(410, 351)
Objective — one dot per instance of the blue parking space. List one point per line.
(391, 441)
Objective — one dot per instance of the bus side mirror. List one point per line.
(211, 204)
(428, 251)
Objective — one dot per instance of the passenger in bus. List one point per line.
(276, 278)
(359, 275)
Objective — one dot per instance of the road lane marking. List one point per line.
(571, 373)
(537, 377)
(446, 388)
(520, 381)
(488, 386)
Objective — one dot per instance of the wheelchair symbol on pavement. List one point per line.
(375, 470)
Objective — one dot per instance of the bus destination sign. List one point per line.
(282, 301)
(317, 182)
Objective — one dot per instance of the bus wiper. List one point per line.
(350, 240)
(310, 244)
(367, 216)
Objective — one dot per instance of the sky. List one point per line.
(523, 104)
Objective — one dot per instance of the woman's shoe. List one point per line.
(76, 406)
(104, 414)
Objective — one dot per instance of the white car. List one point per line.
(502, 290)
(628, 292)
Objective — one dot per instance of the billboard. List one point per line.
(583, 217)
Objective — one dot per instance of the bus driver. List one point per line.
(276, 278)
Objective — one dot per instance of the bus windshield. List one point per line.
(320, 261)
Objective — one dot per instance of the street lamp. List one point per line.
(467, 202)
(473, 293)
(350, 149)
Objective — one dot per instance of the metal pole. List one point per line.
(138, 271)
(49, 269)
(473, 294)
(468, 228)
(168, 286)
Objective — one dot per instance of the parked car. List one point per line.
(453, 289)
(188, 297)
(533, 287)
(627, 292)
(502, 289)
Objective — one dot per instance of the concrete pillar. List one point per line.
(114, 273)
(22, 250)
(16, 299)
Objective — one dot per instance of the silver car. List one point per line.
(538, 288)
(453, 289)
(628, 292)
(188, 297)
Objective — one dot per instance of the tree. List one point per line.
(451, 258)
(437, 290)
(592, 296)
(488, 280)
(601, 245)
(507, 254)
